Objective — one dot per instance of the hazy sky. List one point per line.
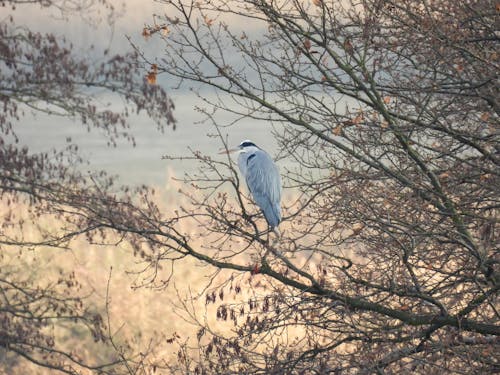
(143, 163)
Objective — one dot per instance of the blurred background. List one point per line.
(91, 33)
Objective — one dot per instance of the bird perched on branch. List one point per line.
(263, 180)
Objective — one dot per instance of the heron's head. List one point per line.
(245, 146)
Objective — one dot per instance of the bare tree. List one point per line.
(45, 73)
(388, 261)
(390, 111)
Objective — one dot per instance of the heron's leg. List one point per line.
(278, 236)
(266, 247)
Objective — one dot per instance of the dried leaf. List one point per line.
(485, 116)
(151, 78)
(354, 121)
(318, 3)
(387, 99)
(348, 47)
(208, 21)
(255, 269)
(146, 33)
(487, 351)
(307, 44)
(337, 130)
(357, 228)
(431, 207)
(165, 30)
(357, 120)
(404, 307)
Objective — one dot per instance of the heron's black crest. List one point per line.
(247, 144)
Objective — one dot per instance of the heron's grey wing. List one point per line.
(264, 182)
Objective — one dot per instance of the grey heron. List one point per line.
(263, 180)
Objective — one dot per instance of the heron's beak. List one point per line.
(228, 151)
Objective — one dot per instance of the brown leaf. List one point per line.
(387, 99)
(208, 21)
(485, 116)
(337, 130)
(146, 33)
(255, 269)
(357, 228)
(151, 77)
(307, 44)
(165, 30)
(348, 47)
(357, 120)
(317, 2)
